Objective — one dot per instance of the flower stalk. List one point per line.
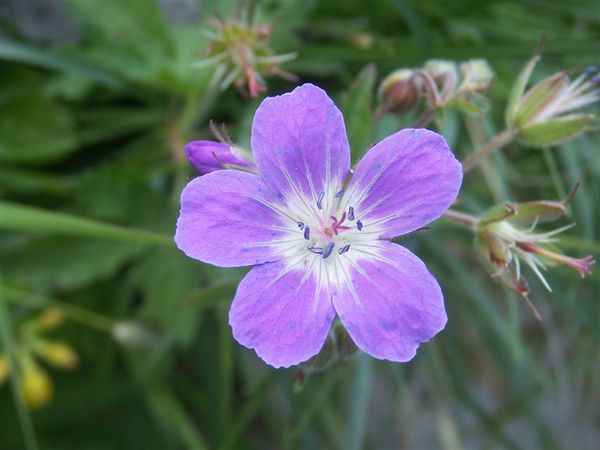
(488, 148)
(461, 218)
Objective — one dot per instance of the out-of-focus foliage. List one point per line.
(91, 166)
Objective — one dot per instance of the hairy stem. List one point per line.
(497, 142)
(462, 218)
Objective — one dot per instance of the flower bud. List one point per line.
(36, 387)
(505, 239)
(441, 69)
(4, 369)
(399, 91)
(58, 354)
(477, 76)
(208, 156)
(240, 51)
(549, 113)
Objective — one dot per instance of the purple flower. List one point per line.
(320, 239)
(208, 156)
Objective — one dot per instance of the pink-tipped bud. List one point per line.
(208, 156)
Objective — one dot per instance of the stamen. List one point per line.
(300, 225)
(344, 249)
(339, 194)
(351, 213)
(307, 233)
(328, 250)
(359, 225)
(315, 250)
(320, 200)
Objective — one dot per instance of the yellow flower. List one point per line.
(36, 387)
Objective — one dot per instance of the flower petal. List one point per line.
(300, 143)
(388, 301)
(284, 313)
(229, 218)
(404, 182)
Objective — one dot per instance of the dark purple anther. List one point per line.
(339, 194)
(328, 250)
(315, 250)
(359, 225)
(307, 233)
(344, 249)
(300, 225)
(320, 200)
(351, 213)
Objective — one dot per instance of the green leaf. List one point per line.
(129, 38)
(65, 262)
(35, 129)
(20, 218)
(22, 53)
(357, 109)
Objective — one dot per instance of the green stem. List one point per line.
(9, 345)
(497, 142)
(73, 312)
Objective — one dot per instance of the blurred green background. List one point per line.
(97, 99)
